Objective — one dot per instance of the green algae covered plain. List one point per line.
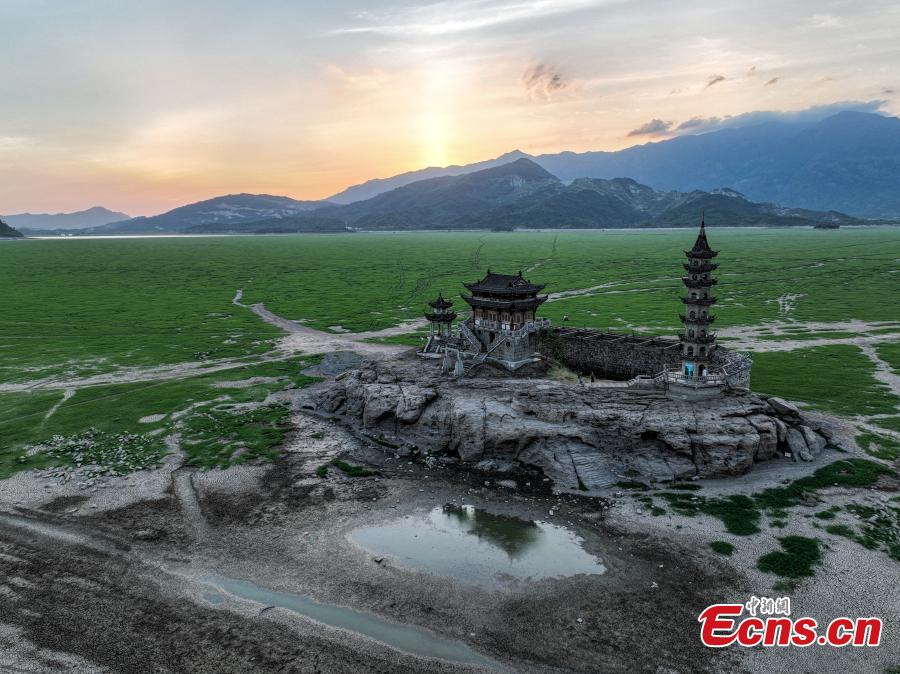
(75, 309)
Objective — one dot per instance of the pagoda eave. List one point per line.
(700, 320)
(699, 301)
(702, 254)
(705, 267)
(699, 283)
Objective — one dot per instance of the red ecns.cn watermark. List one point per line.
(722, 625)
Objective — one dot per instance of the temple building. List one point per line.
(504, 330)
(503, 321)
(698, 344)
(440, 319)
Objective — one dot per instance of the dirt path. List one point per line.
(68, 393)
(299, 340)
(883, 370)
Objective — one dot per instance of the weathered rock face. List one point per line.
(575, 435)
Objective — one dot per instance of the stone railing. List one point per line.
(697, 381)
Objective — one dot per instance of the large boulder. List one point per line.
(782, 406)
(797, 444)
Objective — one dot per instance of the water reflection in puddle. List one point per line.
(479, 547)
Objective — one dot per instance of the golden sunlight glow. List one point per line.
(439, 79)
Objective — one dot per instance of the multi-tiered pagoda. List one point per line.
(697, 342)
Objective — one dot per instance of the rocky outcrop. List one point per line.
(576, 435)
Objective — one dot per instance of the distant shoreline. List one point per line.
(430, 231)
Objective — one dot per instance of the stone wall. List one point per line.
(612, 355)
(609, 355)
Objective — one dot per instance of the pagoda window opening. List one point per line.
(693, 314)
(690, 351)
(702, 350)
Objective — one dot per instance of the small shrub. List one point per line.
(795, 560)
(737, 512)
(784, 585)
(322, 471)
(840, 530)
(351, 470)
(722, 547)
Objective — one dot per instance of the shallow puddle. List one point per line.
(479, 547)
(406, 638)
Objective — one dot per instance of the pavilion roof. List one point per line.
(440, 303)
(504, 283)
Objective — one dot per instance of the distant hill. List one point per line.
(8, 232)
(451, 201)
(376, 186)
(849, 162)
(524, 195)
(227, 210)
(92, 217)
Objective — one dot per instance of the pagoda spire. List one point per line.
(697, 342)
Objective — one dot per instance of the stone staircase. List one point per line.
(466, 333)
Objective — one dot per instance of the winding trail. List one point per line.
(883, 370)
(67, 393)
(300, 339)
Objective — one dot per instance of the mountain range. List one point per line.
(822, 167)
(849, 161)
(518, 194)
(92, 217)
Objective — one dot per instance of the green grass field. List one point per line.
(75, 308)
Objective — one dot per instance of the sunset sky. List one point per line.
(143, 106)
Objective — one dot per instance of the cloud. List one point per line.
(751, 72)
(447, 18)
(826, 21)
(543, 81)
(655, 127)
(714, 79)
(772, 81)
(700, 124)
(807, 116)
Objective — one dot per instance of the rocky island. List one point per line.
(580, 436)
